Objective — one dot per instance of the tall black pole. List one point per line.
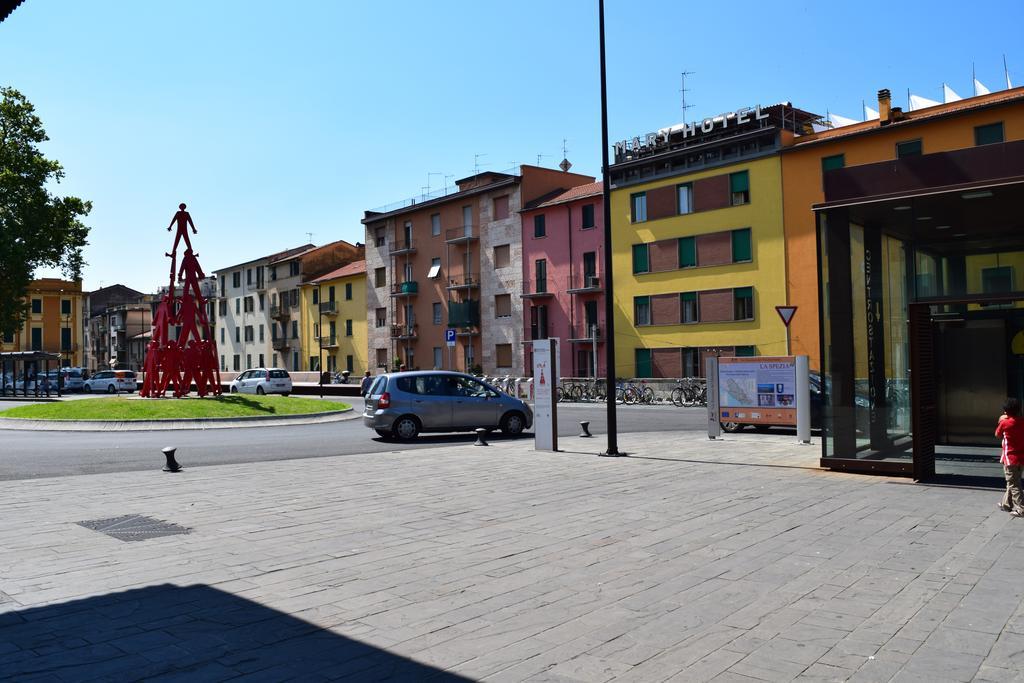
(320, 337)
(609, 300)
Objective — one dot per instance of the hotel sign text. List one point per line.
(648, 143)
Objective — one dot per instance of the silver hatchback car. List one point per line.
(402, 404)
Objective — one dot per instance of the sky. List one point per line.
(272, 120)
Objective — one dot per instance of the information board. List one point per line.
(545, 379)
(757, 390)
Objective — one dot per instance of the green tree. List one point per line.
(37, 228)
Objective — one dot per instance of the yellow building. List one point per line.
(54, 323)
(698, 242)
(334, 321)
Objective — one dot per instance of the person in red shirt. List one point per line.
(1011, 429)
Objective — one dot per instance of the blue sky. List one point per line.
(274, 119)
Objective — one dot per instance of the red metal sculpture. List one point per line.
(191, 358)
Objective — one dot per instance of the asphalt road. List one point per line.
(33, 454)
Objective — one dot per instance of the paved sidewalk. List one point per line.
(736, 560)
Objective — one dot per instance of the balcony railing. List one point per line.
(466, 233)
(405, 288)
(469, 281)
(328, 307)
(328, 340)
(402, 247)
(583, 283)
(405, 331)
(536, 289)
(586, 333)
(464, 313)
(281, 344)
(279, 311)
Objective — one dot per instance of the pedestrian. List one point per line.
(1011, 429)
(364, 385)
(401, 368)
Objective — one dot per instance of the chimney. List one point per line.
(884, 104)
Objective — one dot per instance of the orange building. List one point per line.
(54, 321)
(894, 135)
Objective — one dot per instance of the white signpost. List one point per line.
(545, 379)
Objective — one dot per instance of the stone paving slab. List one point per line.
(691, 560)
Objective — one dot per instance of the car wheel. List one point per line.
(87, 389)
(234, 390)
(285, 393)
(384, 434)
(405, 428)
(732, 427)
(111, 389)
(259, 390)
(513, 424)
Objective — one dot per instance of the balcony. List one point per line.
(328, 308)
(405, 331)
(400, 247)
(328, 341)
(585, 283)
(463, 313)
(280, 312)
(464, 282)
(466, 233)
(536, 289)
(281, 344)
(409, 288)
(586, 334)
(261, 285)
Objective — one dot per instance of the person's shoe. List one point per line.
(1004, 508)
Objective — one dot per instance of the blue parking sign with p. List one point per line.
(449, 337)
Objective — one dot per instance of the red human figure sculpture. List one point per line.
(184, 221)
(188, 314)
(190, 365)
(152, 368)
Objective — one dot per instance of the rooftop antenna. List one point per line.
(428, 181)
(309, 237)
(446, 177)
(541, 156)
(476, 163)
(566, 164)
(683, 90)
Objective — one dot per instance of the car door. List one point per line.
(432, 401)
(474, 405)
(240, 382)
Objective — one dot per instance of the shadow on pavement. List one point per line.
(452, 438)
(188, 633)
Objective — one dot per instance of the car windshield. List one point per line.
(465, 386)
(278, 374)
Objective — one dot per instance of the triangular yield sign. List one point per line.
(786, 313)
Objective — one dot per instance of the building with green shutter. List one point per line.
(698, 248)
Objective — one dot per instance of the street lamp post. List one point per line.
(320, 336)
(609, 306)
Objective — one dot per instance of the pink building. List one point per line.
(563, 288)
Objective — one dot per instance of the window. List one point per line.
(382, 358)
(745, 351)
(539, 322)
(687, 252)
(273, 272)
(37, 306)
(236, 279)
(378, 237)
(640, 260)
(503, 306)
(435, 268)
(589, 267)
(293, 268)
(436, 309)
(540, 268)
(349, 363)
(588, 217)
(348, 291)
(295, 329)
(247, 304)
(743, 303)
(65, 306)
(435, 224)
(997, 280)
(642, 310)
(330, 293)
(989, 134)
(438, 358)
(638, 207)
(222, 336)
(248, 333)
(503, 355)
(248, 361)
(238, 305)
(691, 363)
(8, 337)
(685, 193)
(500, 208)
(539, 228)
(238, 335)
(248, 276)
(739, 186)
(261, 301)
(380, 277)
(467, 219)
(690, 311)
(223, 364)
(382, 317)
(236, 363)
(833, 162)
(65, 339)
(741, 245)
(910, 148)
(261, 336)
(348, 328)
(273, 331)
(502, 255)
(316, 294)
(222, 282)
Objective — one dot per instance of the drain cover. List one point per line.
(134, 527)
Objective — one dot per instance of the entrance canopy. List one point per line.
(24, 367)
(921, 296)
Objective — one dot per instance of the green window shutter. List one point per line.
(644, 366)
(741, 245)
(642, 302)
(988, 135)
(833, 162)
(743, 292)
(739, 182)
(745, 351)
(910, 148)
(640, 264)
(687, 252)
(689, 296)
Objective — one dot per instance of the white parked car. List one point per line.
(262, 381)
(111, 382)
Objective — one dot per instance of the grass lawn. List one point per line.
(232, 405)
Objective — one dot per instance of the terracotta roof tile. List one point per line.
(354, 268)
(563, 196)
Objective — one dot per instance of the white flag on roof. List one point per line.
(869, 113)
(838, 121)
(948, 95)
(979, 88)
(918, 102)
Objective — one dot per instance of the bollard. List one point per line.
(480, 434)
(585, 426)
(172, 464)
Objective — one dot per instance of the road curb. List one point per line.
(14, 423)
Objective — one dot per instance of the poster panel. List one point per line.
(545, 378)
(758, 390)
